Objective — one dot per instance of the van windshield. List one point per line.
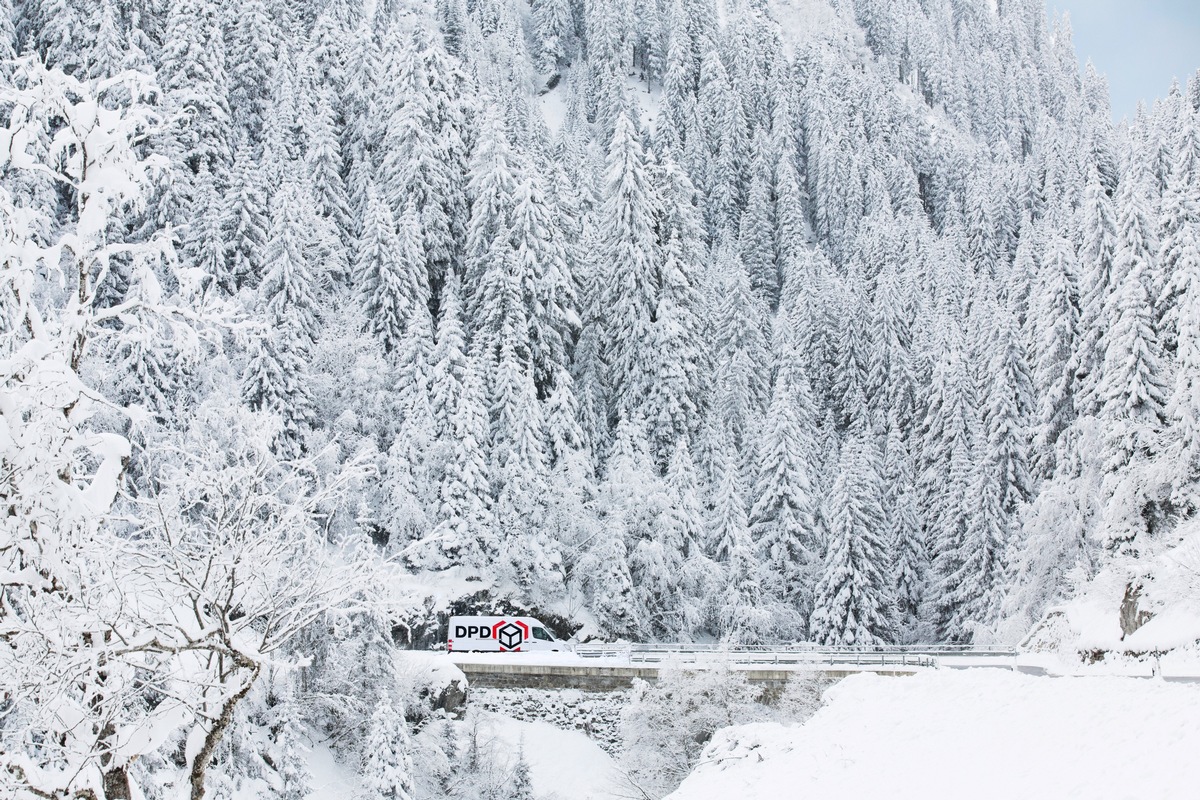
(540, 633)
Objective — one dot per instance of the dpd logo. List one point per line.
(510, 635)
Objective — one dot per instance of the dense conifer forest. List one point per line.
(846, 321)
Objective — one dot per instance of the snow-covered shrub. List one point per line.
(666, 724)
(801, 697)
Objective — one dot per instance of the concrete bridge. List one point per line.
(609, 678)
(606, 668)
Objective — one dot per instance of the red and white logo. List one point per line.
(510, 635)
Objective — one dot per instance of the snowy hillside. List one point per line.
(744, 321)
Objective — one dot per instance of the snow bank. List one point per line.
(432, 670)
(1169, 595)
(981, 734)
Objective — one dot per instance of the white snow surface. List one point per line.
(563, 765)
(979, 734)
(331, 779)
(800, 20)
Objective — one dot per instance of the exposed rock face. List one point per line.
(452, 699)
(1133, 617)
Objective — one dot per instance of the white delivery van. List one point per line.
(500, 635)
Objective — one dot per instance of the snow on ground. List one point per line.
(331, 779)
(800, 20)
(978, 734)
(554, 106)
(563, 765)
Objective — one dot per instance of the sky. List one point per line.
(1139, 44)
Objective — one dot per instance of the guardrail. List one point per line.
(883, 655)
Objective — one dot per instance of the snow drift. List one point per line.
(981, 734)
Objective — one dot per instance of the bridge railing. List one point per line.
(883, 655)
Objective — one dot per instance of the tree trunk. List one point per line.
(116, 784)
(205, 756)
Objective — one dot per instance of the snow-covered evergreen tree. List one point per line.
(850, 605)
(386, 766)
(630, 257)
(193, 76)
(785, 501)
(276, 378)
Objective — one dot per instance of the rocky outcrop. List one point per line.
(1133, 617)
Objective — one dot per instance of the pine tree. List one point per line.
(611, 587)
(723, 119)
(671, 406)
(192, 75)
(387, 761)
(590, 368)
(56, 29)
(1052, 326)
(381, 272)
(1184, 405)
(851, 379)
(244, 222)
(204, 241)
(758, 227)
(1134, 388)
(742, 357)
(449, 359)
(554, 23)
(330, 40)
(968, 597)
(491, 188)
(520, 786)
(280, 138)
(791, 221)
(251, 51)
(683, 521)
(412, 167)
(628, 243)
(1178, 222)
(851, 599)
(729, 524)
(105, 58)
(8, 35)
(547, 287)
(679, 81)
(277, 377)
(520, 473)
(415, 345)
(784, 513)
(1006, 414)
(358, 101)
(324, 163)
(949, 450)
(634, 498)
(1137, 242)
(465, 533)
(903, 534)
(890, 380)
(1096, 262)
